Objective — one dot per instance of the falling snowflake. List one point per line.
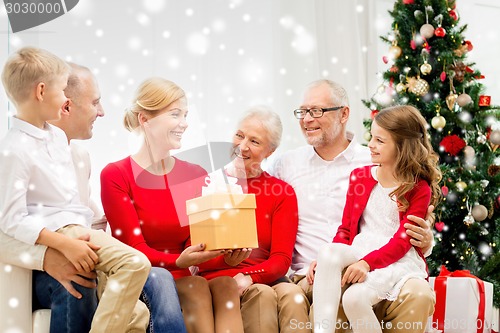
(198, 43)
(154, 6)
(298, 298)
(143, 19)
(13, 302)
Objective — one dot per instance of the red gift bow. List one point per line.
(440, 289)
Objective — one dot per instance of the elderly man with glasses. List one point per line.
(319, 174)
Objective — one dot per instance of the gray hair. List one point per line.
(339, 94)
(270, 121)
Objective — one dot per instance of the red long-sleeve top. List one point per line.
(277, 223)
(361, 183)
(148, 212)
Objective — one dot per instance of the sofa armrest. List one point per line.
(15, 299)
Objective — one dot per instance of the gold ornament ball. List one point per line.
(469, 152)
(421, 87)
(394, 52)
(427, 30)
(495, 137)
(461, 186)
(400, 87)
(463, 100)
(479, 212)
(425, 68)
(438, 122)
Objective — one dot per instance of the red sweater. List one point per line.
(361, 183)
(148, 212)
(277, 222)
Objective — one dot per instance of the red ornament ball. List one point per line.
(469, 45)
(408, 2)
(444, 190)
(453, 14)
(373, 113)
(440, 32)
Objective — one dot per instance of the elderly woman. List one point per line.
(266, 304)
(144, 199)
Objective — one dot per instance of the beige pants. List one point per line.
(407, 314)
(126, 270)
(280, 308)
(139, 321)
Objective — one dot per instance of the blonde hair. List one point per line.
(415, 157)
(152, 96)
(28, 67)
(269, 120)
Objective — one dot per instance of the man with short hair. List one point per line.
(319, 174)
(79, 295)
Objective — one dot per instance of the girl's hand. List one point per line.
(81, 254)
(311, 271)
(194, 255)
(356, 272)
(243, 281)
(235, 257)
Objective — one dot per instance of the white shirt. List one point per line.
(81, 161)
(321, 188)
(38, 187)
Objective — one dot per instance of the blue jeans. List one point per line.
(72, 315)
(69, 314)
(160, 296)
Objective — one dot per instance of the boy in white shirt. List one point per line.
(39, 201)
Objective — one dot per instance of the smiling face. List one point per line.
(165, 130)
(84, 107)
(382, 146)
(321, 132)
(53, 97)
(251, 145)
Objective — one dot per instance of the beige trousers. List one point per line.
(139, 321)
(274, 309)
(407, 314)
(126, 270)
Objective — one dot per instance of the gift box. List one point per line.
(223, 217)
(223, 221)
(495, 321)
(464, 303)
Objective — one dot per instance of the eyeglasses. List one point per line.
(315, 112)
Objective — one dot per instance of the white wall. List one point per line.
(231, 54)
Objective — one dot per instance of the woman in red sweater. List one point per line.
(371, 244)
(266, 304)
(144, 198)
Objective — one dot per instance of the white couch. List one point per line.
(16, 298)
(15, 306)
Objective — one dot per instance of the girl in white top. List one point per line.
(371, 244)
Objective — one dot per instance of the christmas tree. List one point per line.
(428, 68)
